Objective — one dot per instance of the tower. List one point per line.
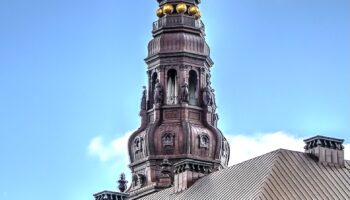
(178, 132)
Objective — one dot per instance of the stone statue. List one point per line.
(143, 99)
(213, 99)
(207, 96)
(158, 93)
(215, 119)
(184, 92)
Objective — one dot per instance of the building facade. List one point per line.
(179, 144)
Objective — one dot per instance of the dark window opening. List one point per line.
(193, 88)
(171, 87)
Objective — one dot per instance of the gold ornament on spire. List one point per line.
(198, 15)
(168, 9)
(181, 8)
(160, 12)
(193, 10)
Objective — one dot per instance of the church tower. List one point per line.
(178, 140)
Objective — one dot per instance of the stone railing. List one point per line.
(176, 21)
(172, 100)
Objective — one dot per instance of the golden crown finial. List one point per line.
(181, 8)
(168, 9)
(193, 10)
(160, 12)
(198, 15)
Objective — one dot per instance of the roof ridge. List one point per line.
(277, 157)
(256, 157)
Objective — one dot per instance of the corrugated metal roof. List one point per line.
(279, 175)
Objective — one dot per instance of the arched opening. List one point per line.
(192, 87)
(153, 85)
(171, 91)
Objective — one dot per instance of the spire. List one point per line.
(178, 119)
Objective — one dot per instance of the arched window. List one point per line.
(193, 88)
(171, 91)
(138, 144)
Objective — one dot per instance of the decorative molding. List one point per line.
(194, 115)
(172, 114)
(183, 67)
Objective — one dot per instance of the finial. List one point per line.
(122, 183)
(183, 8)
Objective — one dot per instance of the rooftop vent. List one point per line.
(326, 150)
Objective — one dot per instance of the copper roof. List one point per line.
(278, 175)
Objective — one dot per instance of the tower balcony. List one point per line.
(178, 21)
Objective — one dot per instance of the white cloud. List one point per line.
(244, 147)
(347, 151)
(110, 150)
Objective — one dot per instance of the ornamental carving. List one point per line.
(203, 141)
(139, 180)
(138, 144)
(168, 140)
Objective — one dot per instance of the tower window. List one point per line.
(172, 87)
(193, 88)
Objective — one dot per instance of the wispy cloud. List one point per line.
(243, 146)
(115, 149)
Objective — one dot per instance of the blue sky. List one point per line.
(72, 71)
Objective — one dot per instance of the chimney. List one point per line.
(189, 171)
(326, 150)
(109, 195)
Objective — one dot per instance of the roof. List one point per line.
(278, 175)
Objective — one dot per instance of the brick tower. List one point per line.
(178, 140)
